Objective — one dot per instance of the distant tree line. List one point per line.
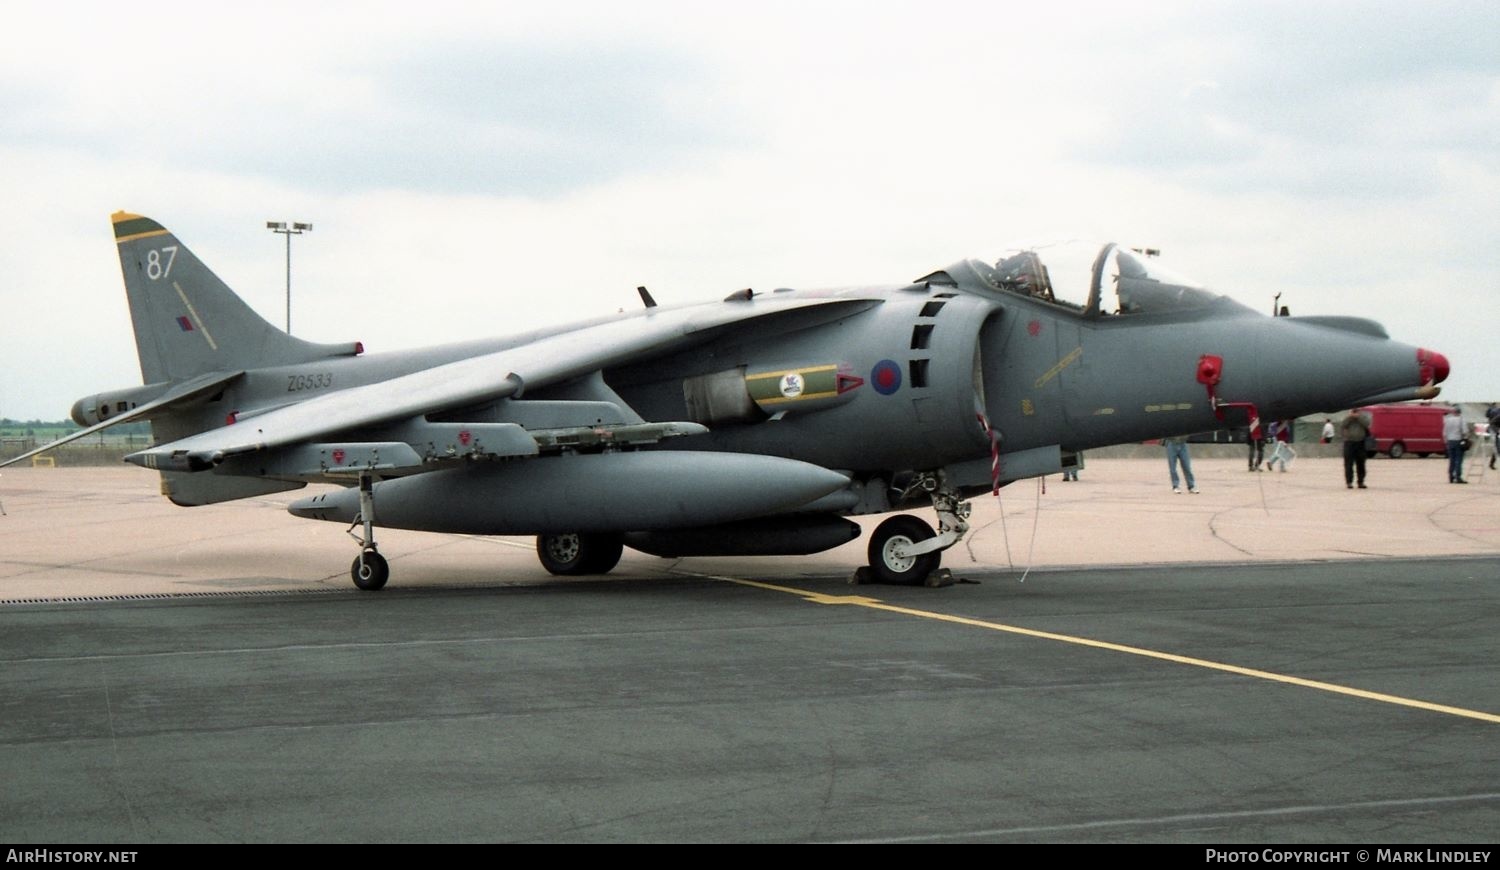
(12, 428)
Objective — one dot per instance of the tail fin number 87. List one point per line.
(155, 267)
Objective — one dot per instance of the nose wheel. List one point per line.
(890, 551)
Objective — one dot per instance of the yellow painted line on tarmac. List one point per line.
(877, 604)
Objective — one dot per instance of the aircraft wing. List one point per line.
(505, 373)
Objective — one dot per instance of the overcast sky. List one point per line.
(474, 169)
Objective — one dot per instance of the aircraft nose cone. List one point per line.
(1434, 366)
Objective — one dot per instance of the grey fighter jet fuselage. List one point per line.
(752, 425)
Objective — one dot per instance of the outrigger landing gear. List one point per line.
(370, 570)
(904, 550)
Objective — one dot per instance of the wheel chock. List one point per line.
(939, 578)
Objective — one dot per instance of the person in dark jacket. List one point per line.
(1255, 436)
(1354, 429)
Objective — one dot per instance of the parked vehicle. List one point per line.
(1407, 428)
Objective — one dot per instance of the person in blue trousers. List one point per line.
(1453, 435)
(1177, 454)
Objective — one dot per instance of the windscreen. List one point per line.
(1126, 281)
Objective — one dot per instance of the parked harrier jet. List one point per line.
(753, 425)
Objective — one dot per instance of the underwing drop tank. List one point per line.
(619, 492)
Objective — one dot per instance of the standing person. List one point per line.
(1328, 430)
(1255, 437)
(1354, 429)
(1281, 435)
(1492, 413)
(1177, 454)
(1453, 437)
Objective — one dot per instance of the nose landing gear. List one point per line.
(904, 550)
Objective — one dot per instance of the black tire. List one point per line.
(572, 554)
(886, 566)
(370, 571)
(1397, 450)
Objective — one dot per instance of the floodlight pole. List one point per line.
(296, 229)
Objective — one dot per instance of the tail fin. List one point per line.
(187, 321)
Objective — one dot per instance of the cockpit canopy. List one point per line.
(1121, 281)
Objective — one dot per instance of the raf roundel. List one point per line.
(886, 377)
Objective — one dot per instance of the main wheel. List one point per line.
(572, 554)
(370, 571)
(888, 562)
(1398, 450)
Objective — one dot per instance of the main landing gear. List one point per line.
(573, 554)
(370, 570)
(904, 550)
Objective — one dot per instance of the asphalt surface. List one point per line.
(202, 696)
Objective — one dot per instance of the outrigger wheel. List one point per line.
(370, 570)
(889, 562)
